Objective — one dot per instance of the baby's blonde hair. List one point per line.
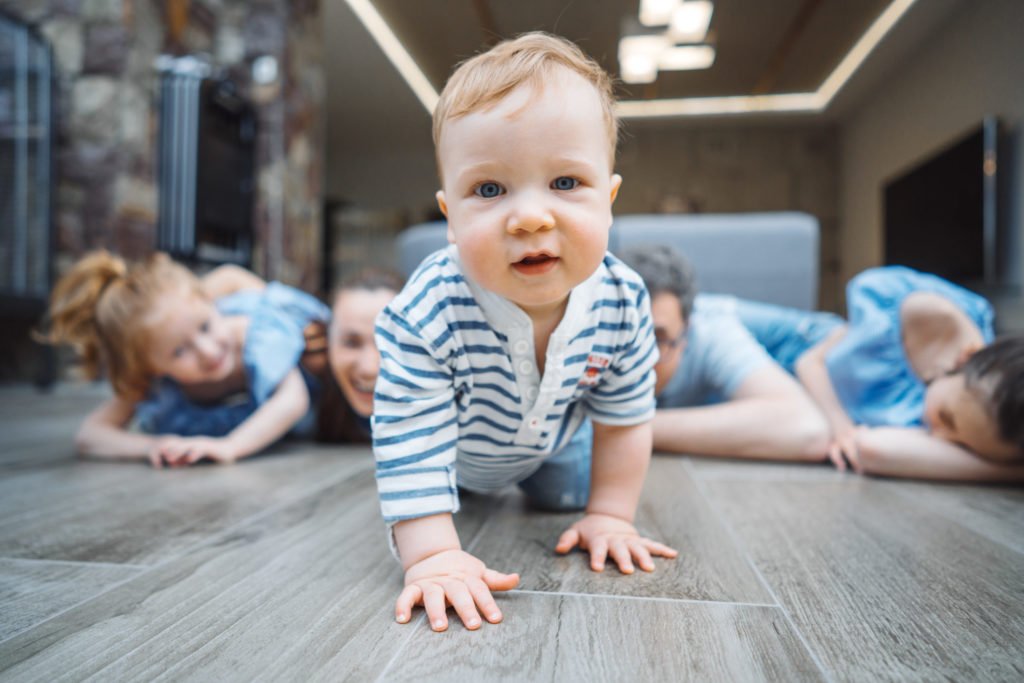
(482, 81)
(101, 308)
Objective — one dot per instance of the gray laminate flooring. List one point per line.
(278, 569)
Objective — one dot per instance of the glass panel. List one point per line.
(25, 170)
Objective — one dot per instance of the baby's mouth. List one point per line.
(536, 264)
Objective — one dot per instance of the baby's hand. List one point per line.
(604, 535)
(456, 578)
(179, 451)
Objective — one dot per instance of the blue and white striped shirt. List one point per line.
(459, 383)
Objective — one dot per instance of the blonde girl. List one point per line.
(208, 368)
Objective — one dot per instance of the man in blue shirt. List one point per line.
(718, 391)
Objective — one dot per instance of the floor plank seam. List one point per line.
(417, 624)
(741, 547)
(645, 598)
(312, 490)
(75, 563)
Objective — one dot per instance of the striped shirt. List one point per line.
(459, 399)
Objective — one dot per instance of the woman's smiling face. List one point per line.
(353, 353)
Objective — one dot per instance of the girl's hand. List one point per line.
(456, 578)
(605, 535)
(180, 451)
(843, 449)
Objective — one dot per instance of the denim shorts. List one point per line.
(563, 482)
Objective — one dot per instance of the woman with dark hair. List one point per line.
(347, 400)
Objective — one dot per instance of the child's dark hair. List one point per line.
(997, 371)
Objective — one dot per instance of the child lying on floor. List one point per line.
(913, 385)
(210, 369)
(501, 349)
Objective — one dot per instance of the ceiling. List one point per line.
(763, 46)
(377, 128)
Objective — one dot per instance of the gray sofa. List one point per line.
(769, 257)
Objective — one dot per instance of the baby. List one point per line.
(509, 353)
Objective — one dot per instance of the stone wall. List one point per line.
(106, 185)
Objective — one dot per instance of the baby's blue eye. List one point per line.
(565, 183)
(488, 190)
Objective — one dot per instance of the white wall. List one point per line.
(971, 66)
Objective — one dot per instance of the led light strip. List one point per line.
(395, 52)
(809, 102)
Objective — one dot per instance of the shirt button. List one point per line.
(525, 367)
(535, 424)
(531, 393)
(521, 346)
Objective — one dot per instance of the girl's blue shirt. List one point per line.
(869, 368)
(274, 343)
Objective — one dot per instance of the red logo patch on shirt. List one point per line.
(596, 363)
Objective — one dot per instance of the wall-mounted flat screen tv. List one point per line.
(940, 215)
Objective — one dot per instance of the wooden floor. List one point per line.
(277, 569)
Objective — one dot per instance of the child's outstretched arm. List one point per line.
(439, 573)
(228, 279)
(267, 424)
(618, 469)
(812, 373)
(103, 434)
(914, 453)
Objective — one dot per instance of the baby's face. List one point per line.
(952, 411)
(528, 189)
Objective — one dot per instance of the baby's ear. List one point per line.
(966, 353)
(443, 205)
(616, 184)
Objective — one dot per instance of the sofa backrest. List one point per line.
(770, 257)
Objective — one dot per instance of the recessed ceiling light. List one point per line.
(639, 56)
(690, 21)
(657, 12)
(686, 57)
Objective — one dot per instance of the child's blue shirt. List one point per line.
(869, 368)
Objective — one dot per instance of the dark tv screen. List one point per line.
(940, 215)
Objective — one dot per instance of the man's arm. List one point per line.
(768, 417)
(914, 453)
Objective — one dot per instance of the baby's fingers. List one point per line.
(434, 603)
(460, 598)
(568, 540)
(642, 555)
(496, 581)
(410, 596)
(619, 551)
(658, 549)
(484, 600)
(598, 553)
